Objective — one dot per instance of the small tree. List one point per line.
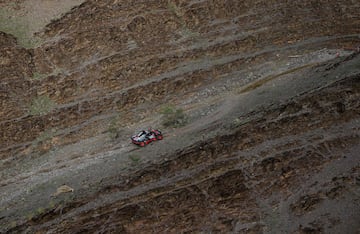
(41, 105)
(173, 117)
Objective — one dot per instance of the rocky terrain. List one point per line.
(270, 91)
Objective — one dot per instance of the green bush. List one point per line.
(175, 9)
(41, 105)
(115, 125)
(134, 158)
(44, 137)
(173, 117)
(38, 76)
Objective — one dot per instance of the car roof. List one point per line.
(141, 133)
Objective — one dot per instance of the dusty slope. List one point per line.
(272, 142)
(290, 165)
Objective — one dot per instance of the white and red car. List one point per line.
(145, 137)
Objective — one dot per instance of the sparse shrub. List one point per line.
(44, 137)
(114, 126)
(113, 130)
(45, 142)
(175, 9)
(40, 211)
(134, 158)
(41, 105)
(173, 117)
(29, 216)
(237, 122)
(52, 204)
(38, 76)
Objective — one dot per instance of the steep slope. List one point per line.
(289, 165)
(271, 89)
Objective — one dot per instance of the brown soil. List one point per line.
(272, 94)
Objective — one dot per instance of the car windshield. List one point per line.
(141, 133)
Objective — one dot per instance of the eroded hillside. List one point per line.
(271, 94)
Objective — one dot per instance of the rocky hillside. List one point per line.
(269, 92)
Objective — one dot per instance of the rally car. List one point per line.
(145, 137)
